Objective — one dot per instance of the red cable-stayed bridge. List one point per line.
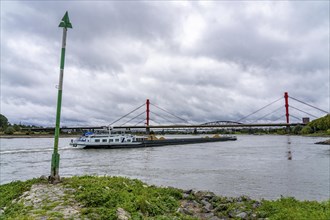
(128, 121)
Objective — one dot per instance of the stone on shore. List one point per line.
(122, 214)
(53, 198)
(326, 142)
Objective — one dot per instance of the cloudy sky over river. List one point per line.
(203, 61)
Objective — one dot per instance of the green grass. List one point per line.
(102, 196)
(13, 190)
(291, 209)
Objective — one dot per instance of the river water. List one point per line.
(256, 166)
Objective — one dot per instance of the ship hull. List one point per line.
(157, 143)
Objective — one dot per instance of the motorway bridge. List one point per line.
(128, 120)
(182, 126)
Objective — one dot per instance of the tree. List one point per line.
(297, 129)
(3, 122)
(10, 130)
(320, 124)
(306, 130)
(17, 127)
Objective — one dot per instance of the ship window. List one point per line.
(110, 140)
(104, 140)
(97, 140)
(128, 140)
(116, 140)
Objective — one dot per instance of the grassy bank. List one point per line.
(90, 197)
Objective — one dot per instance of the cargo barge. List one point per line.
(112, 139)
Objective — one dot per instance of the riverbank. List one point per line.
(91, 197)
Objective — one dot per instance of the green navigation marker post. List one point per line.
(54, 175)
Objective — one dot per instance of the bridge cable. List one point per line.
(166, 119)
(309, 105)
(133, 118)
(302, 111)
(279, 117)
(154, 121)
(270, 113)
(127, 114)
(260, 109)
(170, 113)
(295, 117)
(140, 122)
(276, 119)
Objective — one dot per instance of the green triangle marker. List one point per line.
(65, 22)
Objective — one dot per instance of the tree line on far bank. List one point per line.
(318, 126)
(7, 128)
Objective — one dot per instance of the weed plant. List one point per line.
(101, 197)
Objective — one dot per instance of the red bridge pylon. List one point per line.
(286, 97)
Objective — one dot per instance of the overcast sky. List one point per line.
(202, 61)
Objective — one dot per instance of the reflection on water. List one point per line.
(289, 153)
(257, 166)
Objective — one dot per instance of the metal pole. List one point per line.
(54, 172)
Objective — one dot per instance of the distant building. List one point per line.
(305, 120)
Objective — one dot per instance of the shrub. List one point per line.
(306, 130)
(297, 129)
(281, 131)
(9, 131)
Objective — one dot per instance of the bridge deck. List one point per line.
(173, 126)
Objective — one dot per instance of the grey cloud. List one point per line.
(244, 42)
(121, 53)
